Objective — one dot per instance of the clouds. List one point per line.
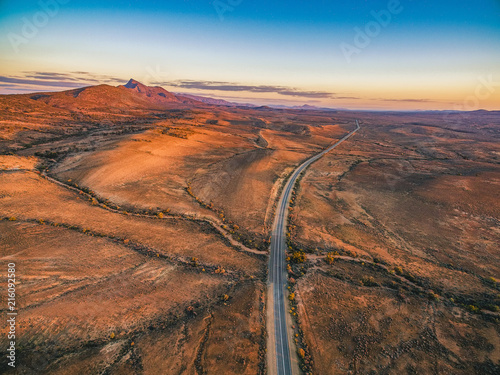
(406, 100)
(53, 81)
(235, 87)
(37, 81)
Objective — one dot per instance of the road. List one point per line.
(279, 329)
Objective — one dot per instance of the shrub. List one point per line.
(298, 257)
(330, 257)
(351, 253)
(433, 296)
(492, 281)
(220, 270)
(368, 281)
(473, 309)
(302, 353)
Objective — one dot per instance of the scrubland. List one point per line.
(141, 235)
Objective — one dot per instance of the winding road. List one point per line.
(280, 333)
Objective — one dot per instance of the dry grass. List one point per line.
(28, 196)
(412, 198)
(354, 329)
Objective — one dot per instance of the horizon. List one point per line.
(383, 56)
(249, 187)
(276, 106)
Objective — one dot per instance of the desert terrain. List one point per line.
(400, 231)
(140, 221)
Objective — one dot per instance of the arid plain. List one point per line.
(140, 222)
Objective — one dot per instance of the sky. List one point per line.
(357, 54)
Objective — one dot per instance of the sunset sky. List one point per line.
(420, 55)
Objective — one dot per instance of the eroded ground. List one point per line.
(409, 213)
(140, 238)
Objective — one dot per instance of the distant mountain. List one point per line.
(159, 95)
(156, 94)
(132, 96)
(221, 102)
(305, 107)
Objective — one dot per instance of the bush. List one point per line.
(352, 254)
(492, 281)
(330, 257)
(298, 257)
(220, 270)
(302, 353)
(433, 296)
(368, 281)
(473, 309)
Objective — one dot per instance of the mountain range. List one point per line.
(130, 97)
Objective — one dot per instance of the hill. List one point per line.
(129, 97)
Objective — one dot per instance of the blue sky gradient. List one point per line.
(431, 54)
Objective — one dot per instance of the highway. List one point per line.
(279, 329)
